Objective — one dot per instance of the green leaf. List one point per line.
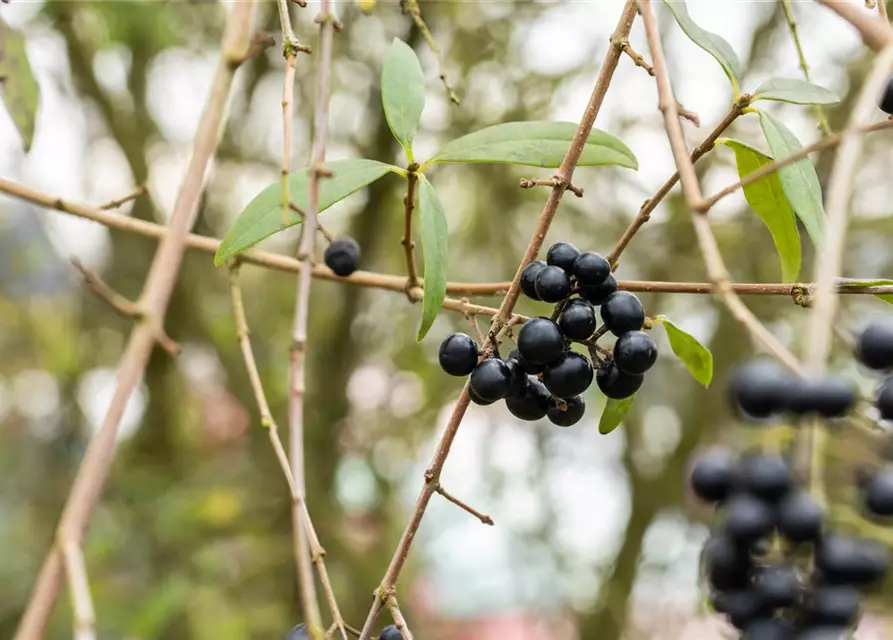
(435, 252)
(20, 90)
(799, 180)
(613, 414)
(713, 44)
(862, 284)
(263, 215)
(402, 93)
(535, 144)
(695, 356)
(794, 91)
(767, 199)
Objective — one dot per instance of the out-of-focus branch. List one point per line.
(795, 35)
(412, 6)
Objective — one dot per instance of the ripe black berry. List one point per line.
(886, 101)
(759, 388)
(766, 477)
(617, 385)
(713, 475)
(390, 632)
(777, 585)
(879, 493)
(534, 404)
(491, 379)
(598, 293)
(552, 284)
(836, 605)
(743, 606)
(562, 255)
(634, 352)
(342, 256)
(623, 312)
(748, 518)
(528, 279)
(578, 320)
(568, 376)
(885, 398)
(874, 348)
(728, 565)
(458, 354)
(768, 629)
(852, 561)
(829, 397)
(475, 398)
(529, 367)
(297, 633)
(591, 268)
(517, 379)
(540, 341)
(799, 517)
(574, 409)
(823, 632)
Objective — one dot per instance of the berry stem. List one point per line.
(412, 178)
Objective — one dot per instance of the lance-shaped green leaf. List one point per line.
(435, 251)
(767, 199)
(402, 93)
(713, 44)
(535, 144)
(17, 83)
(263, 215)
(794, 91)
(695, 356)
(613, 413)
(799, 180)
(846, 283)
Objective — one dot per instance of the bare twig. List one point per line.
(154, 300)
(795, 35)
(690, 187)
(412, 278)
(133, 195)
(416, 12)
(82, 602)
(399, 620)
(530, 183)
(565, 176)
(483, 517)
(635, 56)
(319, 227)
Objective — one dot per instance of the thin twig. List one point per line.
(795, 35)
(79, 586)
(133, 195)
(416, 12)
(692, 191)
(483, 517)
(412, 278)
(319, 227)
(160, 281)
(530, 183)
(635, 56)
(399, 620)
(565, 175)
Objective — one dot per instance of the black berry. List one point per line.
(574, 409)
(562, 255)
(768, 629)
(529, 367)
(836, 605)
(851, 561)
(577, 321)
(777, 585)
(634, 352)
(766, 477)
(598, 293)
(475, 398)
(759, 388)
(540, 341)
(879, 493)
(886, 101)
(591, 268)
(534, 404)
(343, 256)
(623, 312)
(517, 380)
(727, 563)
(748, 518)
(885, 398)
(829, 397)
(799, 517)
(491, 379)
(874, 348)
(390, 632)
(297, 633)
(458, 354)
(528, 279)
(713, 475)
(743, 606)
(823, 632)
(568, 376)
(615, 384)
(552, 284)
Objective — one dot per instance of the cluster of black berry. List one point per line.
(543, 376)
(342, 256)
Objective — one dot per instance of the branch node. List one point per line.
(554, 182)
(802, 296)
(133, 195)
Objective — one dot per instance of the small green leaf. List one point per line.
(435, 252)
(263, 215)
(613, 414)
(863, 284)
(695, 356)
(799, 180)
(20, 90)
(402, 93)
(713, 44)
(794, 91)
(535, 144)
(767, 199)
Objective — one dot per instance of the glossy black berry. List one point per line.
(568, 376)
(777, 585)
(598, 293)
(297, 633)
(829, 397)
(743, 606)
(528, 279)
(766, 477)
(615, 384)
(836, 605)
(851, 561)
(885, 398)
(591, 268)
(886, 101)
(634, 352)
(552, 284)
(759, 388)
(727, 563)
(874, 347)
(562, 255)
(577, 321)
(768, 629)
(390, 632)
(491, 379)
(343, 256)
(517, 380)
(823, 632)
(534, 404)
(799, 517)
(747, 518)
(475, 398)
(879, 493)
(622, 312)
(458, 354)
(572, 413)
(540, 341)
(529, 367)
(713, 475)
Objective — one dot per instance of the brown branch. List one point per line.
(319, 227)
(79, 586)
(133, 195)
(154, 300)
(635, 56)
(692, 191)
(416, 12)
(483, 517)
(876, 33)
(565, 176)
(399, 620)
(412, 278)
(530, 183)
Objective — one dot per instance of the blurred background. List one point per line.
(595, 537)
